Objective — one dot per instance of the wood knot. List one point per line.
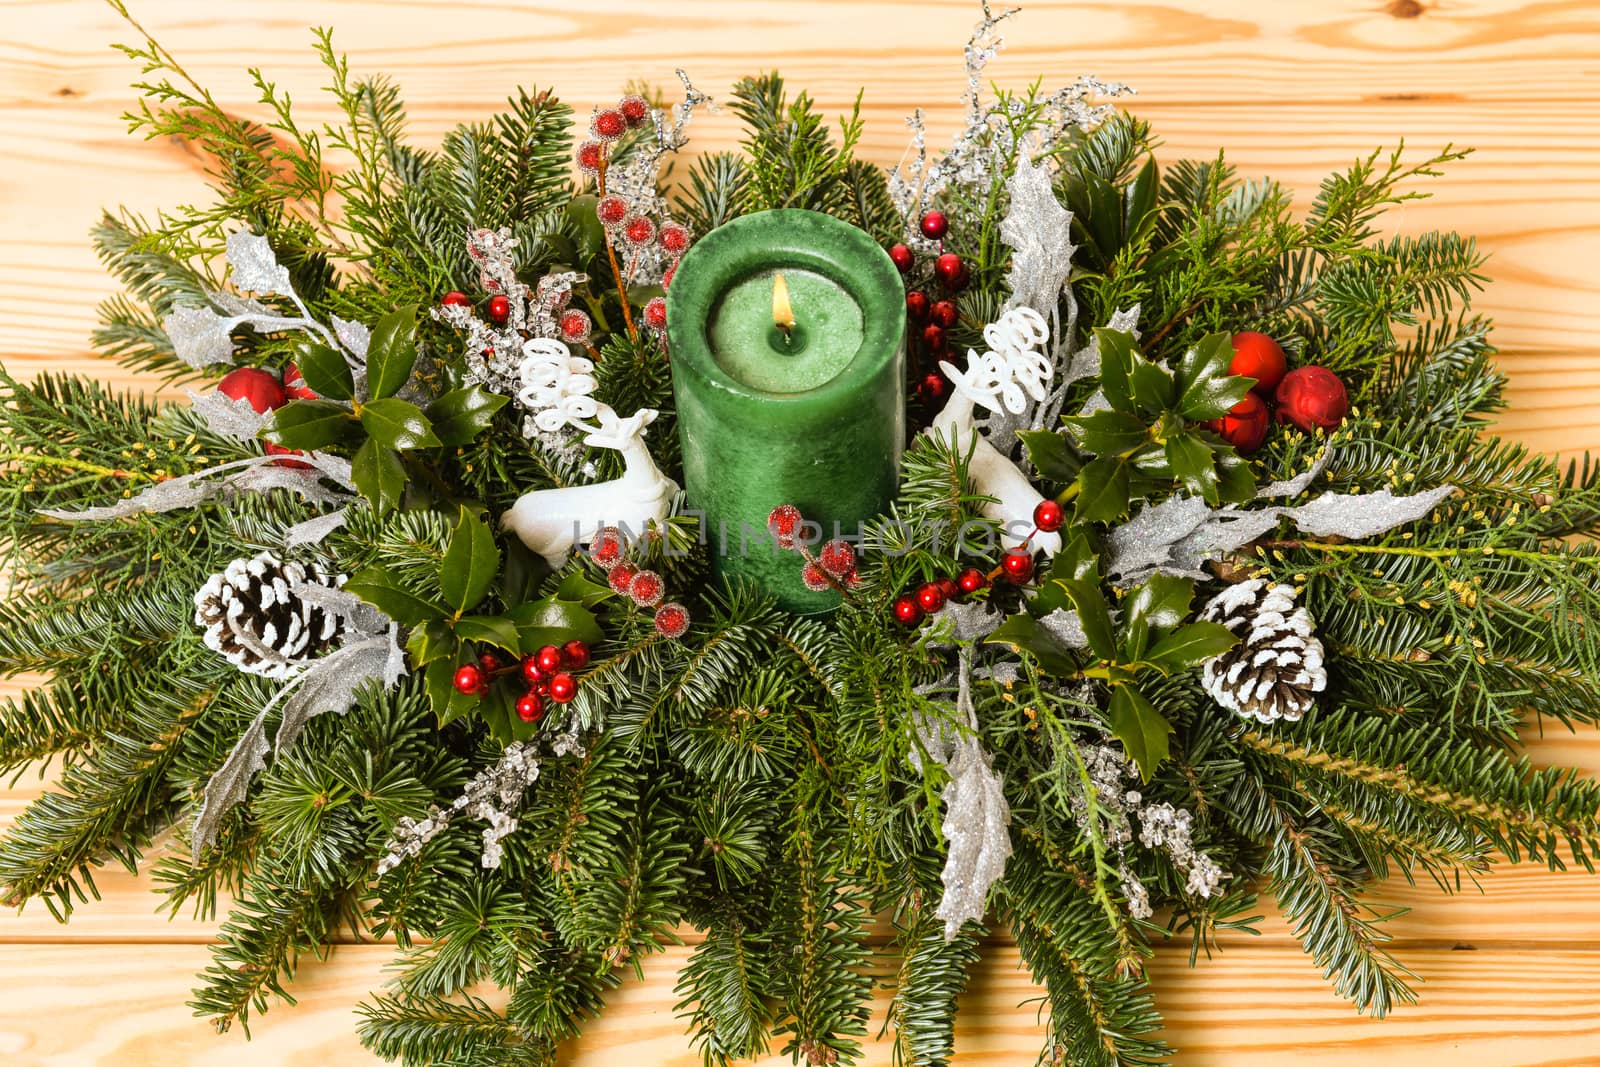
(1405, 9)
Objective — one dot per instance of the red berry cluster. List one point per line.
(644, 587)
(1016, 567)
(547, 673)
(575, 325)
(930, 318)
(264, 392)
(832, 567)
(1310, 397)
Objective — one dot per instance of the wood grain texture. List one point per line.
(1293, 89)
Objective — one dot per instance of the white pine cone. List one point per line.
(1276, 668)
(254, 616)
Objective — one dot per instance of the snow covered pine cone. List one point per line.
(1274, 670)
(255, 617)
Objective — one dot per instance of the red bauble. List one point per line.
(1312, 398)
(272, 448)
(917, 305)
(499, 309)
(647, 589)
(1017, 565)
(489, 662)
(609, 124)
(1255, 355)
(548, 659)
(530, 670)
(971, 580)
(1048, 516)
(814, 577)
(611, 209)
(563, 687)
(635, 110)
(949, 587)
(930, 597)
(606, 548)
(638, 230)
(1245, 425)
(469, 678)
(943, 313)
(575, 654)
(933, 337)
(838, 558)
(906, 611)
(530, 706)
(674, 237)
(934, 225)
(949, 269)
(902, 258)
(575, 326)
(933, 387)
(294, 384)
(621, 576)
(454, 299)
(261, 389)
(672, 620)
(784, 522)
(590, 155)
(655, 313)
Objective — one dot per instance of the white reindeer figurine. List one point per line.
(552, 521)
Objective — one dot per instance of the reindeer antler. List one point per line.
(616, 432)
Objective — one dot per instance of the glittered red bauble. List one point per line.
(469, 678)
(934, 225)
(635, 110)
(260, 388)
(1048, 516)
(548, 659)
(917, 305)
(814, 577)
(971, 580)
(530, 707)
(530, 670)
(655, 313)
(1017, 565)
(784, 522)
(576, 654)
(949, 269)
(590, 154)
(611, 209)
(1245, 425)
(563, 687)
(294, 384)
(499, 309)
(1312, 398)
(943, 313)
(933, 337)
(575, 326)
(949, 587)
(838, 558)
(454, 299)
(933, 386)
(674, 237)
(609, 124)
(606, 548)
(930, 597)
(902, 258)
(638, 230)
(647, 589)
(672, 620)
(1255, 355)
(906, 611)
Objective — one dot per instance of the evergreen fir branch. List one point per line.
(933, 974)
(433, 1030)
(715, 191)
(722, 989)
(487, 932)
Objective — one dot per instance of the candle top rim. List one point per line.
(779, 239)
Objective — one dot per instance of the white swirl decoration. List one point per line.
(1013, 368)
(557, 386)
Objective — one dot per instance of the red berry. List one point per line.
(606, 547)
(575, 326)
(930, 597)
(611, 209)
(933, 387)
(638, 230)
(647, 589)
(1048, 516)
(454, 299)
(906, 611)
(530, 706)
(1255, 355)
(838, 558)
(1017, 565)
(666, 276)
(784, 522)
(469, 678)
(609, 124)
(949, 587)
(814, 577)
(530, 670)
(489, 662)
(674, 237)
(943, 313)
(902, 258)
(261, 389)
(563, 687)
(1312, 398)
(590, 155)
(1245, 425)
(575, 654)
(917, 305)
(635, 110)
(294, 384)
(621, 576)
(655, 313)
(272, 448)
(949, 268)
(971, 580)
(499, 309)
(672, 620)
(934, 225)
(933, 337)
(548, 659)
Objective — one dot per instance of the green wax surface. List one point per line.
(747, 345)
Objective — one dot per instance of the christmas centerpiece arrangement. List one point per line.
(824, 564)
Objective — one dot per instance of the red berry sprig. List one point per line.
(645, 588)
(546, 673)
(1311, 397)
(834, 567)
(1016, 566)
(931, 319)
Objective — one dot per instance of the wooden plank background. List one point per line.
(1512, 975)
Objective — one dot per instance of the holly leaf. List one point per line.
(577, 587)
(440, 681)
(1235, 483)
(1023, 634)
(1206, 389)
(380, 588)
(1139, 199)
(1155, 607)
(496, 630)
(1140, 728)
(392, 353)
(1193, 464)
(308, 424)
(1190, 645)
(471, 561)
(398, 424)
(462, 414)
(1094, 614)
(1102, 490)
(552, 621)
(324, 370)
(1152, 387)
(1050, 455)
(1075, 560)
(1107, 432)
(1116, 365)
(429, 642)
(379, 474)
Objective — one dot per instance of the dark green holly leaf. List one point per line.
(1107, 432)
(591, 234)
(462, 414)
(1152, 387)
(1155, 607)
(309, 424)
(471, 561)
(1139, 199)
(1024, 634)
(397, 424)
(577, 587)
(1050, 454)
(1102, 490)
(552, 622)
(392, 353)
(431, 641)
(389, 595)
(324, 369)
(379, 474)
(496, 630)
(1104, 222)
(522, 573)
(1206, 390)
(1190, 645)
(1116, 365)
(1236, 484)
(1094, 614)
(439, 680)
(1140, 728)
(1075, 560)
(1193, 464)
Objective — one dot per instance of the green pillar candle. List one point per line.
(815, 418)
